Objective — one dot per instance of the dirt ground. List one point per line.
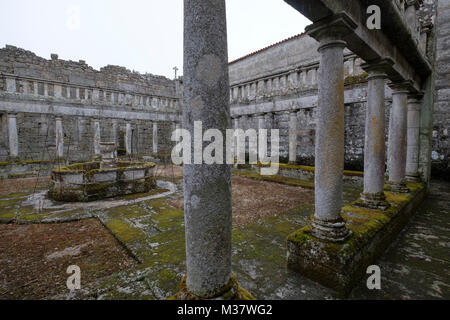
(34, 258)
(9, 186)
(254, 199)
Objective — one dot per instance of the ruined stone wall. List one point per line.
(441, 120)
(37, 91)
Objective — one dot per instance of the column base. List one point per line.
(334, 231)
(375, 201)
(398, 187)
(231, 291)
(413, 177)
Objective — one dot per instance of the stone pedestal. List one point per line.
(412, 141)
(207, 188)
(397, 143)
(374, 146)
(108, 154)
(327, 223)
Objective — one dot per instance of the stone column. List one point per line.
(59, 138)
(26, 86)
(207, 192)
(155, 138)
(115, 125)
(13, 136)
(397, 143)
(412, 141)
(293, 136)
(35, 88)
(327, 223)
(97, 138)
(45, 89)
(374, 146)
(128, 137)
(86, 94)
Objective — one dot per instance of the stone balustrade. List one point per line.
(35, 88)
(295, 80)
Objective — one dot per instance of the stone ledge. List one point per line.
(340, 266)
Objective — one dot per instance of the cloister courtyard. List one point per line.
(133, 247)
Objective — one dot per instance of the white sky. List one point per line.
(142, 35)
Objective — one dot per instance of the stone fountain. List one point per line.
(109, 177)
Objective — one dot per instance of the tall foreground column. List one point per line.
(327, 223)
(375, 144)
(13, 136)
(59, 138)
(397, 143)
(412, 141)
(293, 136)
(207, 188)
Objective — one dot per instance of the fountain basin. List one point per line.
(82, 182)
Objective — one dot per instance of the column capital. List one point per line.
(415, 97)
(404, 87)
(378, 68)
(330, 31)
(58, 118)
(12, 115)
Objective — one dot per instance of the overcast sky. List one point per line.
(142, 35)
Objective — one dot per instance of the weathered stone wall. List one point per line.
(283, 78)
(441, 147)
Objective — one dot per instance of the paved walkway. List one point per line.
(417, 264)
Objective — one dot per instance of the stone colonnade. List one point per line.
(208, 187)
(13, 136)
(38, 88)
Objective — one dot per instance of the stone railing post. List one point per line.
(397, 142)
(327, 223)
(10, 84)
(13, 137)
(57, 91)
(412, 141)
(374, 144)
(207, 191)
(59, 138)
(35, 88)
